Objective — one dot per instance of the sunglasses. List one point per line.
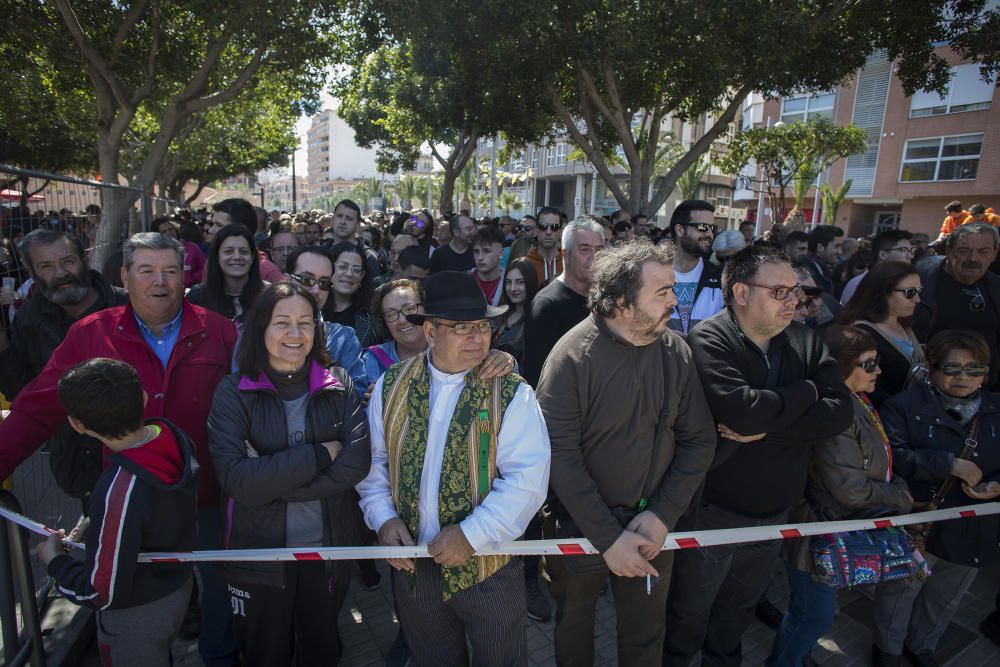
(780, 292)
(702, 226)
(978, 302)
(308, 281)
(909, 292)
(418, 222)
(553, 226)
(870, 365)
(522, 228)
(807, 302)
(972, 370)
(811, 291)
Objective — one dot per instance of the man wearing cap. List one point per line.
(459, 465)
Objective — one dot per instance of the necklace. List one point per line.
(150, 433)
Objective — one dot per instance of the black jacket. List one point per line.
(766, 476)
(925, 315)
(144, 501)
(37, 331)
(257, 489)
(925, 441)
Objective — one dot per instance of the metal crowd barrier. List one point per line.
(17, 586)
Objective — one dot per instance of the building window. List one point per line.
(966, 92)
(517, 164)
(561, 154)
(807, 107)
(941, 158)
(534, 158)
(550, 156)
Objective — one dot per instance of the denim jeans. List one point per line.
(216, 644)
(714, 591)
(811, 611)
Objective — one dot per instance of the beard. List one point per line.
(691, 246)
(67, 291)
(648, 326)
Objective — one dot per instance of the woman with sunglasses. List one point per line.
(850, 476)
(928, 426)
(349, 295)
(232, 274)
(391, 304)
(883, 305)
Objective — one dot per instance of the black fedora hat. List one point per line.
(454, 295)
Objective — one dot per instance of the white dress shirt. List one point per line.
(523, 456)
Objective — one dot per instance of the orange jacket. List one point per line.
(952, 220)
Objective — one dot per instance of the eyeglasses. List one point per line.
(701, 226)
(906, 250)
(391, 314)
(344, 267)
(522, 228)
(282, 249)
(546, 227)
(308, 281)
(870, 365)
(972, 370)
(419, 222)
(465, 328)
(781, 292)
(909, 292)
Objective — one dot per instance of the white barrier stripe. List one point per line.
(560, 547)
(35, 527)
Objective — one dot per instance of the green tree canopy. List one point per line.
(785, 154)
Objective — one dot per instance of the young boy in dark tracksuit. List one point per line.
(143, 501)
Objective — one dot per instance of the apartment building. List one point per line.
(923, 151)
(333, 156)
(544, 175)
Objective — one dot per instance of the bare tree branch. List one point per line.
(584, 143)
(91, 55)
(135, 12)
(699, 147)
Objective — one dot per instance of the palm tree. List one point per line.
(690, 180)
(508, 201)
(407, 189)
(832, 199)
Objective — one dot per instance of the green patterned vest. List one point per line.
(469, 463)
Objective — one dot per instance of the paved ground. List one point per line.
(368, 627)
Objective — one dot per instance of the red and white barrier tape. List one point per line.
(562, 547)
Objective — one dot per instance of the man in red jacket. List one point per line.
(181, 353)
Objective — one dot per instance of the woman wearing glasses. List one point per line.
(350, 291)
(390, 306)
(928, 426)
(850, 476)
(883, 305)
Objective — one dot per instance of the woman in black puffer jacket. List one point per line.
(289, 440)
(928, 425)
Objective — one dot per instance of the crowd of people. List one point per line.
(235, 379)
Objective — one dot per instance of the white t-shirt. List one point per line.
(691, 311)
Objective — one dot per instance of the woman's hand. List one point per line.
(333, 448)
(967, 471)
(497, 363)
(982, 491)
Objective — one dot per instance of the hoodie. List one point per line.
(145, 500)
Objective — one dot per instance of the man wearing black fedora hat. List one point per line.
(459, 464)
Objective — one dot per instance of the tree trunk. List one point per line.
(448, 188)
(117, 205)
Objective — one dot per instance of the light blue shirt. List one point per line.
(162, 345)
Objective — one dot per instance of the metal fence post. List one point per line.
(144, 208)
(19, 565)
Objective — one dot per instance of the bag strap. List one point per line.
(970, 446)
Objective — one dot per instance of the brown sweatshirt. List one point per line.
(603, 399)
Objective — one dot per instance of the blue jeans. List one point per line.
(216, 644)
(811, 611)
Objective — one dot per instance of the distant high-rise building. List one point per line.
(333, 155)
